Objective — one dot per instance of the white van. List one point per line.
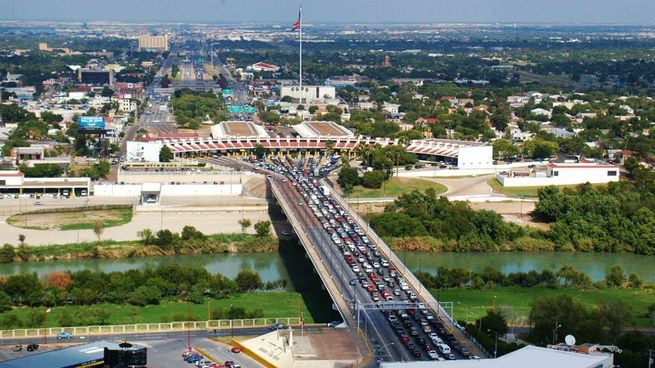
(444, 349)
(368, 268)
(403, 285)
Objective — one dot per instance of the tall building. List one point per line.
(158, 43)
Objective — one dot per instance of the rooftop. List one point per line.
(316, 128)
(69, 357)
(529, 356)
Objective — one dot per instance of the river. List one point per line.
(272, 266)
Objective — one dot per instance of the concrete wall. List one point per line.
(475, 157)
(188, 177)
(134, 190)
(200, 190)
(117, 190)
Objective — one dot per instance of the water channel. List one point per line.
(273, 266)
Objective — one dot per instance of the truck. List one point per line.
(325, 190)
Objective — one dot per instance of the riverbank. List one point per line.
(272, 304)
(110, 249)
(469, 304)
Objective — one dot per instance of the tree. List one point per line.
(98, 228)
(146, 236)
(21, 239)
(165, 154)
(616, 277)
(494, 321)
(7, 253)
(247, 280)
(502, 148)
(373, 179)
(263, 228)
(60, 280)
(107, 92)
(348, 176)
(245, 224)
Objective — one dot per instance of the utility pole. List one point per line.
(650, 358)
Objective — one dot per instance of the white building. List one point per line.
(309, 93)
(392, 109)
(143, 151)
(529, 356)
(463, 154)
(237, 129)
(567, 173)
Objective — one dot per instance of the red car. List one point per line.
(235, 349)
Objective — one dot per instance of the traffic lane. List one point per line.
(342, 273)
(222, 353)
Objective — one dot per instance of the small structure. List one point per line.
(15, 182)
(150, 193)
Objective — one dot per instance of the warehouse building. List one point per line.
(238, 129)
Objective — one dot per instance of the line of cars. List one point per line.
(195, 358)
(418, 329)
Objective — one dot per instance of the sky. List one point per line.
(336, 11)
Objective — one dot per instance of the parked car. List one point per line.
(32, 347)
(18, 347)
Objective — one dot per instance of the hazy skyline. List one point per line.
(336, 11)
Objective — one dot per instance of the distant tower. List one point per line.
(387, 62)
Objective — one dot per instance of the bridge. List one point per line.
(352, 301)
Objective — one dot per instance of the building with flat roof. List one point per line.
(561, 173)
(463, 154)
(153, 43)
(321, 129)
(309, 93)
(95, 77)
(15, 182)
(237, 129)
(87, 355)
(529, 356)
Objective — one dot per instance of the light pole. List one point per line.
(378, 352)
(495, 343)
(557, 326)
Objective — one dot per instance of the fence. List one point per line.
(149, 327)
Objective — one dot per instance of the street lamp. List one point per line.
(495, 343)
(378, 352)
(557, 326)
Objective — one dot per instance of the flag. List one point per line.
(296, 26)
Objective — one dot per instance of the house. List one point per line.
(392, 109)
(426, 120)
(540, 111)
(263, 67)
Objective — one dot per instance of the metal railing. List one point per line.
(149, 327)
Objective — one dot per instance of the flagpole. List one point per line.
(300, 74)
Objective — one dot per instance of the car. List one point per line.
(474, 357)
(334, 324)
(18, 348)
(235, 349)
(451, 356)
(64, 335)
(277, 326)
(433, 354)
(32, 347)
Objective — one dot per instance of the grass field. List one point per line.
(471, 304)
(529, 192)
(73, 220)
(396, 186)
(273, 304)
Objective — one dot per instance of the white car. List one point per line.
(433, 354)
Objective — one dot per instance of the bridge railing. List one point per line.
(148, 327)
(410, 278)
(315, 258)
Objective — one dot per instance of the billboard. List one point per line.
(91, 122)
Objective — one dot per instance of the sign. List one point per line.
(227, 92)
(251, 110)
(235, 109)
(91, 122)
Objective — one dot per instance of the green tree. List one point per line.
(495, 321)
(247, 280)
(146, 236)
(615, 277)
(21, 239)
(263, 228)
(245, 224)
(7, 254)
(373, 179)
(165, 154)
(98, 229)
